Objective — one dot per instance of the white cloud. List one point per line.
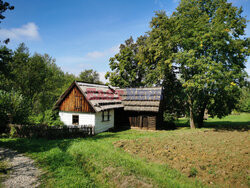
(90, 56)
(101, 54)
(28, 31)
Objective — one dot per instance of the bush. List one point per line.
(244, 100)
(13, 107)
(49, 117)
(169, 120)
(13, 132)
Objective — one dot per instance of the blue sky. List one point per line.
(83, 34)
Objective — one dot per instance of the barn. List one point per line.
(106, 107)
(143, 108)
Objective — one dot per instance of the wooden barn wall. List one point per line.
(134, 119)
(75, 102)
(144, 120)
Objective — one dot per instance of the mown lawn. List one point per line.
(231, 122)
(98, 161)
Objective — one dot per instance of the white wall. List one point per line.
(84, 118)
(101, 126)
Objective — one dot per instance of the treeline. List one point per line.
(30, 84)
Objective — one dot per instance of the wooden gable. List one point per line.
(75, 102)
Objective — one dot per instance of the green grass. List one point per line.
(95, 162)
(233, 122)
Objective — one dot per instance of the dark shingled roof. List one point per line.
(141, 99)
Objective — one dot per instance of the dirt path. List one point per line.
(23, 171)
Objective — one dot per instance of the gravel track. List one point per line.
(23, 172)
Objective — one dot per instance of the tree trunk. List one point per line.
(200, 118)
(192, 123)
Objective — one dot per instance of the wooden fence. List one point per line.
(51, 132)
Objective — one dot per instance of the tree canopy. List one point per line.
(90, 76)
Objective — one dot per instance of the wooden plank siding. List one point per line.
(75, 102)
(142, 120)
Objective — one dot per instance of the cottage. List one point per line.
(107, 107)
(89, 104)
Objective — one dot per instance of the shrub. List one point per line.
(49, 117)
(13, 132)
(14, 107)
(169, 120)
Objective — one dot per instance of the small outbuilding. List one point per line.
(143, 108)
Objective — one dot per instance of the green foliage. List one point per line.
(90, 76)
(49, 117)
(127, 69)
(142, 63)
(13, 132)
(5, 61)
(13, 105)
(198, 54)
(36, 77)
(204, 41)
(244, 102)
(4, 6)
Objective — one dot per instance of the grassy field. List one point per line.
(135, 158)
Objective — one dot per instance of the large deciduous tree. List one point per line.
(211, 53)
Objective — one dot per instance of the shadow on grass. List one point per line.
(220, 125)
(31, 145)
(228, 125)
(24, 145)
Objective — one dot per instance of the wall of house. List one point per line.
(101, 126)
(84, 118)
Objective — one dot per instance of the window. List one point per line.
(75, 119)
(106, 115)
